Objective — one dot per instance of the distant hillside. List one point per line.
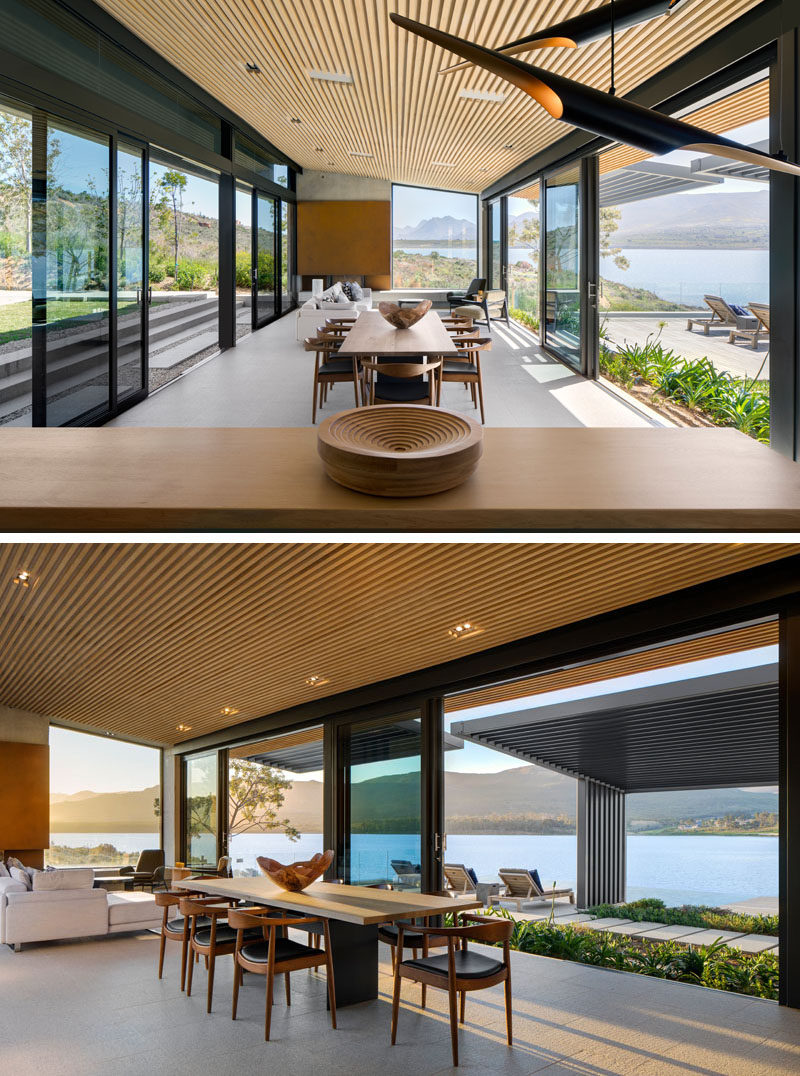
(730, 221)
(532, 795)
(438, 228)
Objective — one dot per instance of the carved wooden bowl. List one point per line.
(400, 450)
(404, 317)
(294, 877)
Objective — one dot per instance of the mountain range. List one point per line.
(721, 220)
(438, 228)
(520, 791)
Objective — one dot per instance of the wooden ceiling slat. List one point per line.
(138, 638)
(399, 107)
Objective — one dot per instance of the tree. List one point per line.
(169, 203)
(255, 796)
(610, 217)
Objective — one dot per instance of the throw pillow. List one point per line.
(739, 310)
(347, 289)
(535, 875)
(12, 861)
(356, 291)
(332, 292)
(21, 876)
(3, 870)
(473, 875)
(342, 298)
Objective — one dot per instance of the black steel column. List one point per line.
(601, 844)
(589, 278)
(432, 825)
(789, 808)
(39, 271)
(227, 270)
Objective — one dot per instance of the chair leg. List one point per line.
(161, 954)
(508, 1008)
(192, 958)
(237, 967)
(288, 989)
(480, 396)
(268, 1013)
(424, 996)
(463, 1005)
(211, 963)
(395, 1004)
(451, 990)
(184, 954)
(329, 973)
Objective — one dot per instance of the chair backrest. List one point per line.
(165, 899)
(402, 369)
(761, 311)
(149, 859)
(720, 308)
(477, 284)
(495, 298)
(402, 866)
(458, 877)
(519, 882)
(224, 866)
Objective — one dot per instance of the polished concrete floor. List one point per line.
(96, 1006)
(266, 381)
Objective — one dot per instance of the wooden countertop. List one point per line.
(348, 903)
(164, 479)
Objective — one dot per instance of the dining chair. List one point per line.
(272, 953)
(217, 939)
(176, 929)
(466, 368)
(328, 370)
(401, 382)
(458, 970)
(389, 933)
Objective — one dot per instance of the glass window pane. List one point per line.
(16, 311)
(201, 810)
(523, 251)
(76, 299)
(496, 253)
(434, 238)
(130, 270)
(265, 276)
(562, 264)
(383, 788)
(244, 261)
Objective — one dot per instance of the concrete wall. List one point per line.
(25, 785)
(333, 187)
(21, 726)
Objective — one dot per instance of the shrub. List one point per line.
(524, 318)
(652, 910)
(156, 273)
(192, 275)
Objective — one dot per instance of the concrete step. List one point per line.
(192, 346)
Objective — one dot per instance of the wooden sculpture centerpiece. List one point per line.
(400, 450)
(294, 877)
(404, 318)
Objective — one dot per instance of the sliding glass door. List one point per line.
(267, 272)
(131, 357)
(201, 825)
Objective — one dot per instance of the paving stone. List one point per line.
(708, 937)
(635, 928)
(606, 924)
(755, 943)
(672, 932)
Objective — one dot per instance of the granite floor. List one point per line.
(96, 1006)
(266, 380)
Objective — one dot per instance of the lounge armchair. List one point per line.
(460, 879)
(723, 316)
(524, 885)
(761, 311)
(144, 871)
(474, 292)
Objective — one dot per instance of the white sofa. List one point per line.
(70, 908)
(310, 316)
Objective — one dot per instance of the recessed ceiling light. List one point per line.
(464, 629)
(254, 69)
(358, 153)
(315, 681)
(330, 76)
(183, 728)
(228, 711)
(482, 95)
(319, 149)
(508, 146)
(443, 164)
(23, 578)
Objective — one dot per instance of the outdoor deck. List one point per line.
(739, 359)
(96, 1006)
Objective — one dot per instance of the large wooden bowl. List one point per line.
(294, 877)
(400, 450)
(404, 318)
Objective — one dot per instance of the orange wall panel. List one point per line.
(24, 795)
(344, 238)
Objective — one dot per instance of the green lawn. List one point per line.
(15, 318)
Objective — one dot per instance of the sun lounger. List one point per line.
(723, 316)
(761, 311)
(459, 878)
(523, 886)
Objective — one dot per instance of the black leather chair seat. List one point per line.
(224, 934)
(175, 926)
(337, 366)
(285, 949)
(389, 933)
(400, 391)
(453, 367)
(468, 965)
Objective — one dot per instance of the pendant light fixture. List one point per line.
(597, 112)
(590, 26)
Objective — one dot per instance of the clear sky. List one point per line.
(410, 205)
(80, 762)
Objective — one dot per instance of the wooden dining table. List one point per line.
(373, 335)
(353, 913)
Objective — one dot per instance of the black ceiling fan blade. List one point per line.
(582, 29)
(597, 112)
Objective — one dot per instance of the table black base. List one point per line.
(354, 950)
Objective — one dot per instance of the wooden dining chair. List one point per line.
(272, 953)
(466, 368)
(217, 939)
(389, 933)
(458, 970)
(401, 382)
(176, 929)
(328, 370)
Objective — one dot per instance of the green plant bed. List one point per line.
(716, 966)
(652, 910)
(530, 321)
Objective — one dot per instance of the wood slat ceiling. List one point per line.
(398, 108)
(136, 639)
(709, 646)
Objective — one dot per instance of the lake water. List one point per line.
(690, 869)
(680, 276)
